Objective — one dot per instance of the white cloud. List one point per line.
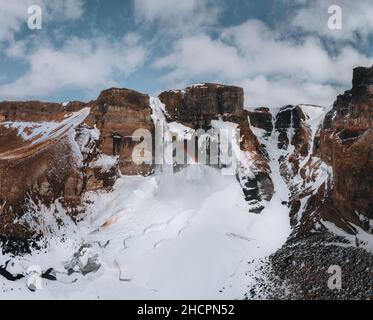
(164, 9)
(266, 52)
(73, 63)
(261, 91)
(179, 16)
(279, 70)
(357, 22)
(274, 66)
(64, 10)
(87, 65)
(14, 15)
(201, 56)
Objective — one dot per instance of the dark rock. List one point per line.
(262, 118)
(291, 118)
(7, 275)
(50, 274)
(118, 113)
(196, 106)
(345, 143)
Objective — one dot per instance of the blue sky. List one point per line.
(279, 51)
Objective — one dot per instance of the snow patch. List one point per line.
(105, 162)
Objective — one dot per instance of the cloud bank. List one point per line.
(300, 61)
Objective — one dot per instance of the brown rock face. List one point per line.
(118, 113)
(262, 118)
(61, 162)
(198, 105)
(42, 177)
(346, 143)
(54, 165)
(36, 111)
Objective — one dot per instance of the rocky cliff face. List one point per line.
(346, 144)
(309, 163)
(117, 114)
(326, 158)
(53, 152)
(44, 164)
(198, 105)
(337, 176)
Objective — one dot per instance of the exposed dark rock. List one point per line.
(291, 118)
(83, 261)
(196, 106)
(118, 113)
(345, 143)
(50, 275)
(302, 267)
(262, 118)
(7, 275)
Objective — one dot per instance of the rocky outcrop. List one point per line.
(118, 113)
(346, 143)
(52, 154)
(262, 118)
(326, 160)
(198, 105)
(343, 145)
(286, 135)
(45, 165)
(291, 130)
(57, 152)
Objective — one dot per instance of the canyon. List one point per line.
(304, 177)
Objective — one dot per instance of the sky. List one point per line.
(280, 51)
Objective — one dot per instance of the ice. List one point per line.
(105, 162)
(180, 131)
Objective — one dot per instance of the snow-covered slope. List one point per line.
(38, 136)
(273, 208)
(177, 237)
